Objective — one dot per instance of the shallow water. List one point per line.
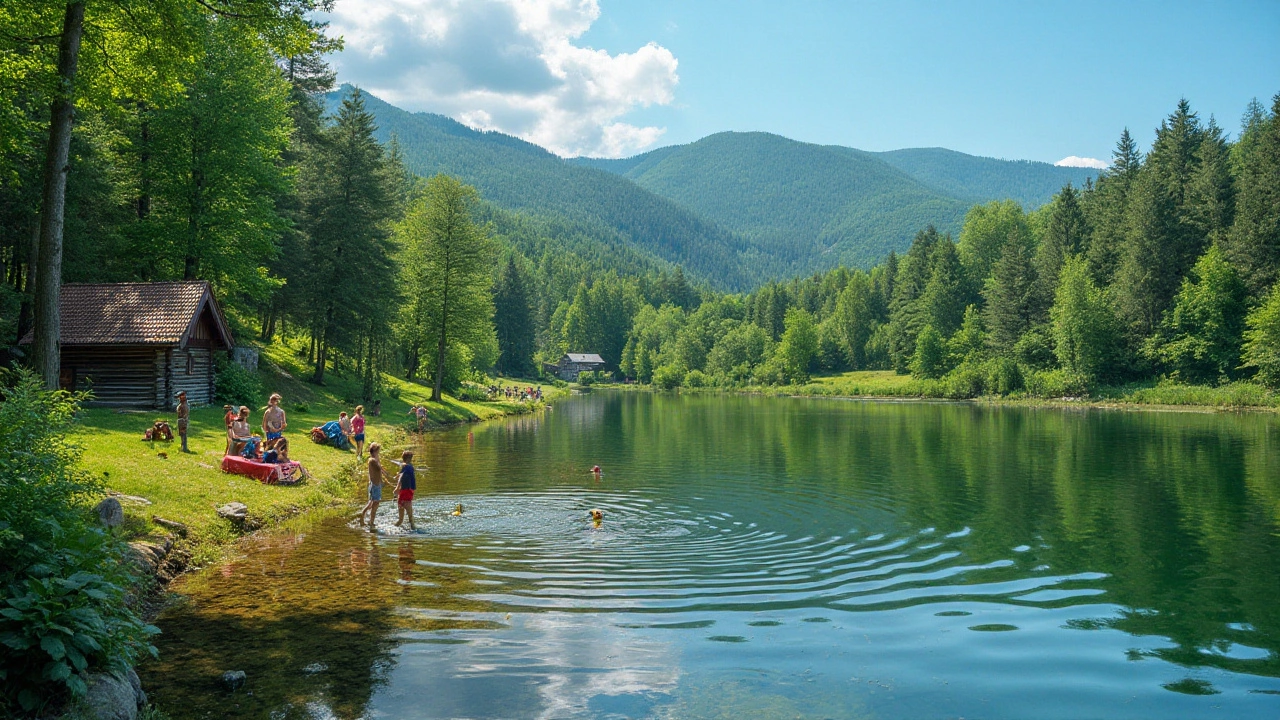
(765, 557)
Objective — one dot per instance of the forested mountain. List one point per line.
(981, 179)
(582, 201)
(812, 206)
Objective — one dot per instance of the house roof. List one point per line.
(584, 358)
(157, 313)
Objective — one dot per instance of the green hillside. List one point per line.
(809, 205)
(979, 179)
(586, 202)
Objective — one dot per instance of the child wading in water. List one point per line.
(406, 483)
(357, 431)
(375, 486)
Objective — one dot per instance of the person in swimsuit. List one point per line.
(273, 420)
(357, 430)
(375, 485)
(406, 483)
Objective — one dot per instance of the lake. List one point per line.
(770, 557)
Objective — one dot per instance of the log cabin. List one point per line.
(138, 344)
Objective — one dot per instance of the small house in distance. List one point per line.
(138, 344)
(572, 364)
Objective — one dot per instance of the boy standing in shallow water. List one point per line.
(273, 420)
(375, 486)
(406, 483)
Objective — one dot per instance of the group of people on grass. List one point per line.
(271, 446)
(521, 394)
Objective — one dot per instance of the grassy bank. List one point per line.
(187, 488)
(888, 384)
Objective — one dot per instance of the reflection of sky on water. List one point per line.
(546, 665)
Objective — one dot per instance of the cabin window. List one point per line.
(191, 364)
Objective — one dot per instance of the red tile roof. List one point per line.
(161, 313)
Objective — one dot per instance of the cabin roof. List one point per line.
(155, 313)
(584, 358)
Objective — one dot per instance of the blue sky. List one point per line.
(1027, 80)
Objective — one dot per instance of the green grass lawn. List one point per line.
(187, 488)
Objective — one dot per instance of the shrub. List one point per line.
(471, 392)
(696, 379)
(1003, 376)
(233, 385)
(930, 358)
(668, 376)
(1262, 340)
(1056, 384)
(966, 381)
(62, 600)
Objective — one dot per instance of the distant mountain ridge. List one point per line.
(734, 209)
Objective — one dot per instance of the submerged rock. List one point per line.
(233, 680)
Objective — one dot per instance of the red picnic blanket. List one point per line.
(269, 473)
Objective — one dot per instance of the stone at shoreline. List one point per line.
(234, 511)
(113, 697)
(110, 512)
(233, 680)
(176, 527)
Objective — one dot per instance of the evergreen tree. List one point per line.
(969, 344)
(448, 261)
(1013, 305)
(1083, 323)
(907, 316)
(1105, 207)
(513, 320)
(854, 318)
(1161, 242)
(1253, 242)
(1065, 234)
(1207, 321)
(347, 280)
(946, 295)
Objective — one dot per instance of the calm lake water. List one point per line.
(765, 557)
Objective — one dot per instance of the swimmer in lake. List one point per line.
(597, 517)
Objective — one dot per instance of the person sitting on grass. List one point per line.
(406, 483)
(238, 433)
(376, 480)
(357, 430)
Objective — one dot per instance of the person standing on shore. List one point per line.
(406, 483)
(357, 430)
(375, 486)
(184, 417)
(273, 420)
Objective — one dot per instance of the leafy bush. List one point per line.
(1262, 340)
(1056, 384)
(62, 600)
(668, 376)
(233, 385)
(1003, 376)
(472, 392)
(696, 379)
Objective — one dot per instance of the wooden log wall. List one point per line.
(198, 382)
(117, 375)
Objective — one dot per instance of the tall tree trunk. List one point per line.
(48, 326)
(441, 345)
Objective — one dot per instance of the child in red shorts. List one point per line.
(406, 483)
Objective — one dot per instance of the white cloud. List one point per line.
(1081, 162)
(508, 65)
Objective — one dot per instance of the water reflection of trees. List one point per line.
(1180, 509)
